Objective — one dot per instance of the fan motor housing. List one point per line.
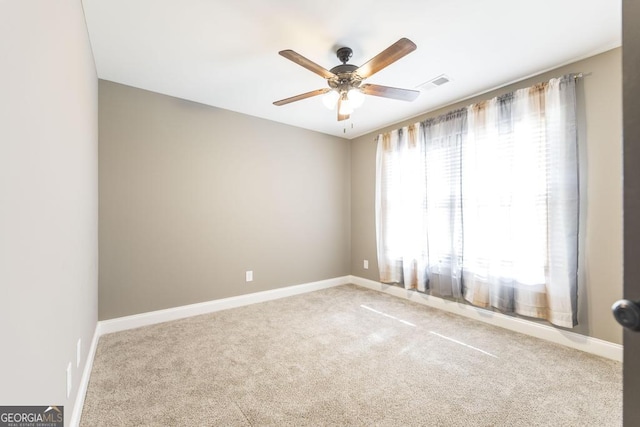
(343, 69)
(346, 77)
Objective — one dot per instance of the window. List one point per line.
(482, 203)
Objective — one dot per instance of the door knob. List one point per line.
(627, 313)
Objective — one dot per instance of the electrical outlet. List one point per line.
(69, 380)
(366, 264)
(78, 352)
(249, 276)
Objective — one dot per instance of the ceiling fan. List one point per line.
(345, 80)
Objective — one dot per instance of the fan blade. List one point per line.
(387, 57)
(341, 117)
(390, 92)
(301, 96)
(306, 63)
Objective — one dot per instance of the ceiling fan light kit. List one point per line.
(345, 80)
(354, 97)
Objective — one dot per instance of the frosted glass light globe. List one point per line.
(330, 99)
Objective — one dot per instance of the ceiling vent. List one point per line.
(435, 82)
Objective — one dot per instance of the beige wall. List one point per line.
(600, 134)
(48, 200)
(193, 196)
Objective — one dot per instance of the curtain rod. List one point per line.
(581, 75)
(575, 76)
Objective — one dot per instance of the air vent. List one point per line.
(435, 82)
(439, 81)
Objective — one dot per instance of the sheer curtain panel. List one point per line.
(520, 198)
(401, 208)
(418, 205)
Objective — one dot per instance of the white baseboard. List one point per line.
(570, 339)
(84, 381)
(160, 316)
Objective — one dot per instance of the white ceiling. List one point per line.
(224, 53)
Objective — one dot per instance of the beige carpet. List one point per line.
(344, 356)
